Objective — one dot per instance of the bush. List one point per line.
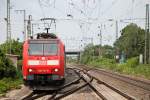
(16, 50)
(132, 62)
(19, 69)
(143, 70)
(131, 67)
(19, 64)
(103, 63)
(6, 67)
(9, 83)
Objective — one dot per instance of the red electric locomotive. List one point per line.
(43, 60)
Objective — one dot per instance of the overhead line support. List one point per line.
(8, 27)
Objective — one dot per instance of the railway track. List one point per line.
(142, 84)
(84, 80)
(133, 81)
(137, 87)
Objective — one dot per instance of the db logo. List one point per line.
(43, 62)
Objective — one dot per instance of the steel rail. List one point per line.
(94, 89)
(53, 96)
(101, 82)
(89, 83)
(73, 90)
(136, 82)
(114, 89)
(85, 71)
(129, 80)
(32, 97)
(81, 76)
(35, 97)
(59, 89)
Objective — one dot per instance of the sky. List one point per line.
(88, 17)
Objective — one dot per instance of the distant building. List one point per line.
(13, 58)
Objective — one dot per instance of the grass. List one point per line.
(131, 67)
(8, 84)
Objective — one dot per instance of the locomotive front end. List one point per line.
(43, 62)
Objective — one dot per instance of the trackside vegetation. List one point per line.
(10, 76)
(131, 67)
(9, 84)
(131, 43)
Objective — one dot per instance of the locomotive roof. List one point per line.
(46, 36)
(43, 41)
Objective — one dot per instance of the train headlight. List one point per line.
(30, 70)
(56, 70)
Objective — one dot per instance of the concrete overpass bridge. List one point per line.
(73, 53)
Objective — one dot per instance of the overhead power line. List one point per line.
(24, 16)
(109, 7)
(39, 1)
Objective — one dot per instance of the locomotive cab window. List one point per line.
(50, 49)
(36, 49)
(43, 49)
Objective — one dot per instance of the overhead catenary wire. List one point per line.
(84, 9)
(114, 2)
(48, 25)
(129, 11)
(39, 1)
(76, 7)
(47, 3)
(86, 14)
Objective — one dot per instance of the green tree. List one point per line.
(131, 41)
(107, 51)
(87, 54)
(6, 67)
(16, 47)
(91, 52)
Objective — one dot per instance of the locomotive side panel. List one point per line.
(62, 59)
(25, 58)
